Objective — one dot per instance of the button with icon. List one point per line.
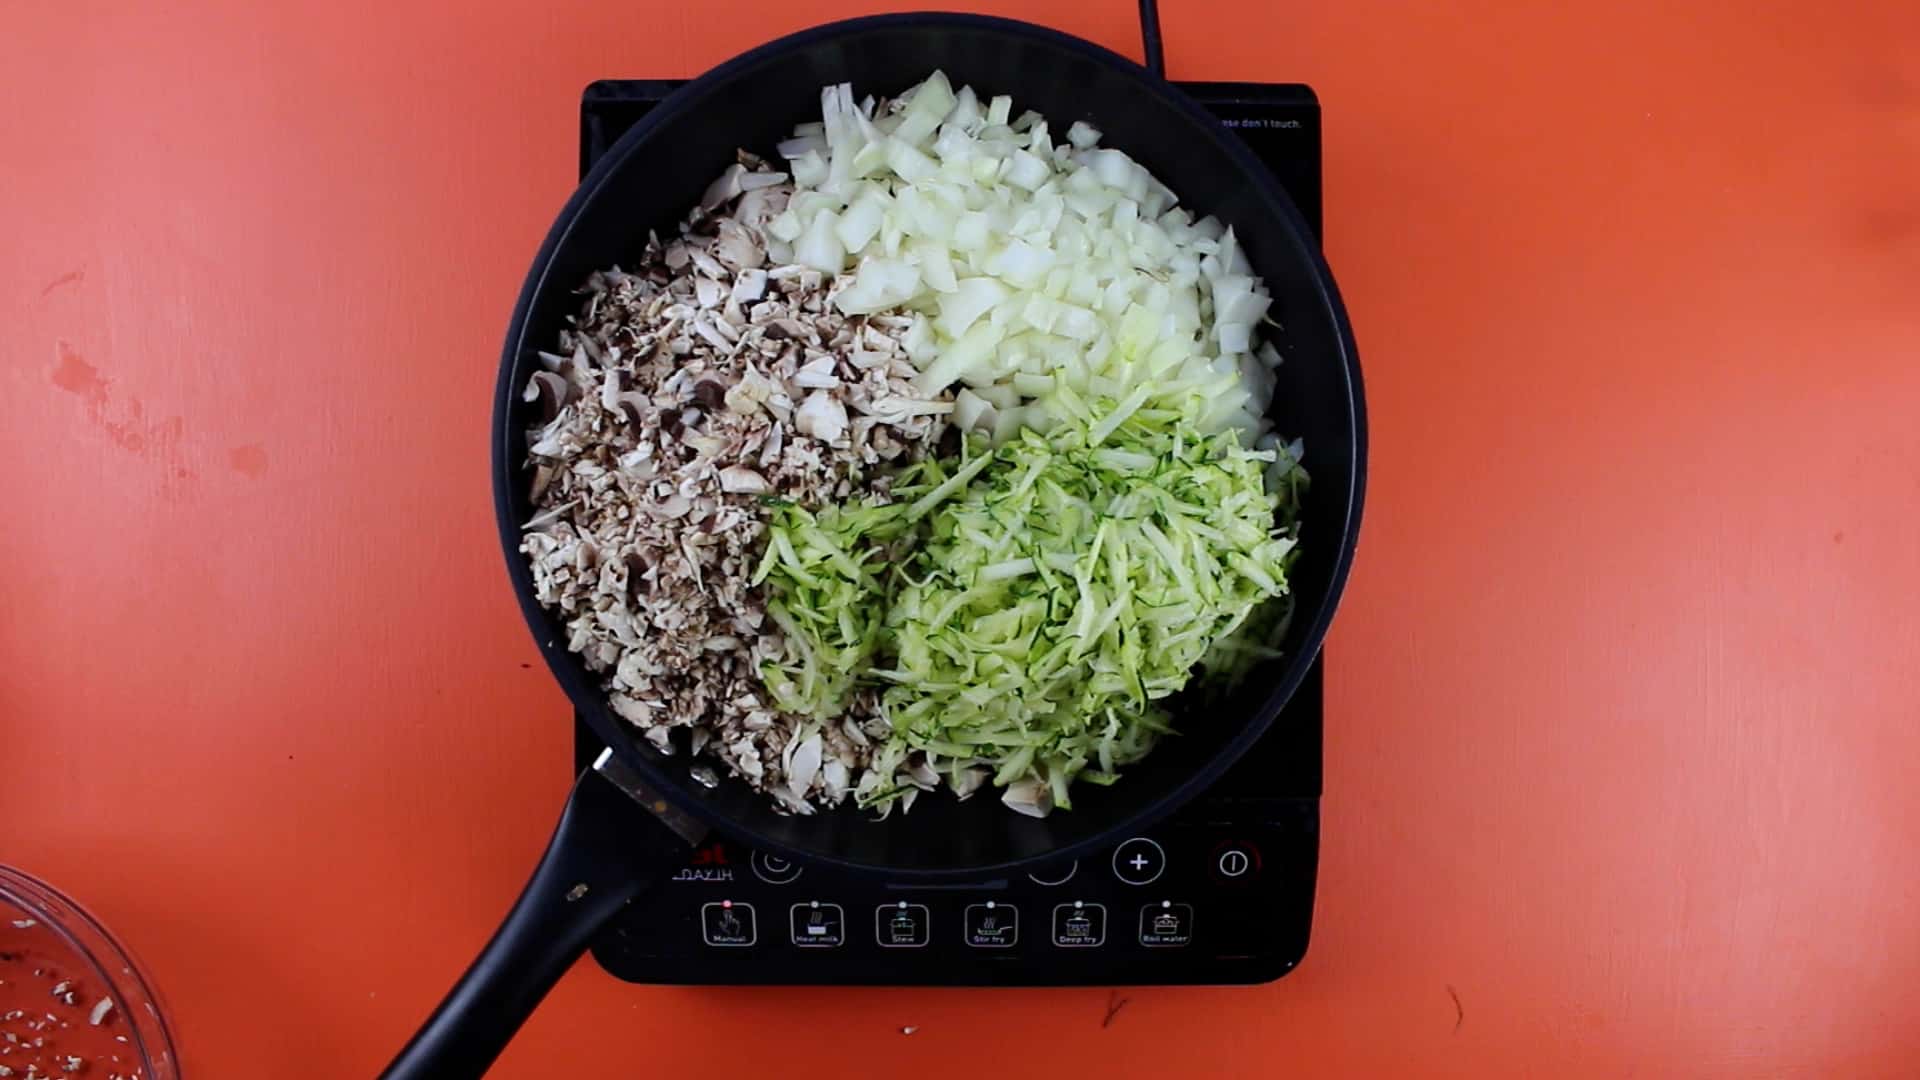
(992, 925)
(1235, 862)
(1079, 925)
(818, 926)
(901, 926)
(1139, 861)
(727, 924)
(1166, 925)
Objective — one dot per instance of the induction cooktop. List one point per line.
(1222, 892)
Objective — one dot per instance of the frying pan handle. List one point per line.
(606, 850)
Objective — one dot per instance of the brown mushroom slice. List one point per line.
(672, 507)
(633, 406)
(1030, 797)
(574, 367)
(738, 479)
(776, 439)
(542, 479)
(711, 394)
(746, 758)
(725, 189)
(550, 390)
(834, 776)
(817, 374)
(822, 416)
(788, 330)
(552, 442)
(786, 802)
(610, 388)
(708, 293)
(802, 765)
(738, 247)
(853, 733)
(707, 445)
(758, 207)
(547, 517)
(662, 740)
(753, 181)
(894, 408)
(921, 774)
(967, 781)
(749, 286)
(710, 333)
(707, 264)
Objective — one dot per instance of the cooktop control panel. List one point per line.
(1197, 901)
(1220, 893)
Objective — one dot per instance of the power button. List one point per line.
(1235, 862)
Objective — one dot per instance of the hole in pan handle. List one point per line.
(605, 851)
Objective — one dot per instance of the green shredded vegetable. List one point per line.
(827, 599)
(1024, 608)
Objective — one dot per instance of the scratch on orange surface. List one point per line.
(130, 431)
(71, 277)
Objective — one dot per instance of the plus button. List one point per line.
(1139, 861)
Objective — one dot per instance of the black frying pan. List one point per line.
(627, 818)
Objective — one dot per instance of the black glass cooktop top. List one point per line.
(1221, 893)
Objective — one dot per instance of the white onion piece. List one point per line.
(861, 221)
(820, 246)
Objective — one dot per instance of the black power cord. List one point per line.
(1150, 37)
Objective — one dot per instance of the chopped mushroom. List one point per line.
(1030, 797)
(817, 374)
(550, 390)
(749, 286)
(725, 189)
(822, 416)
(666, 414)
(739, 478)
(967, 781)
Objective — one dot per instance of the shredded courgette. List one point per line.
(1027, 607)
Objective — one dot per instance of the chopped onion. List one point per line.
(1040, 269)
(820, 247)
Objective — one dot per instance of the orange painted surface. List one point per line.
(1624, 706)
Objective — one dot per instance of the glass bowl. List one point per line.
(73, 1002)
